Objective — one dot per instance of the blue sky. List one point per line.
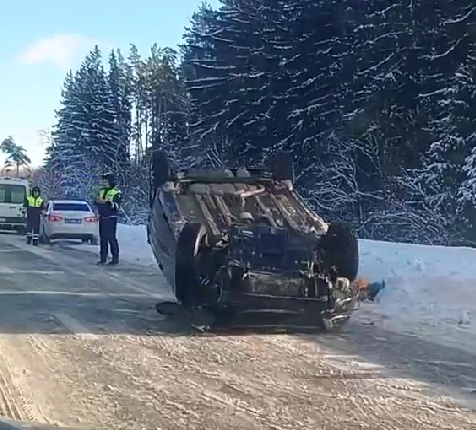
(42, 40)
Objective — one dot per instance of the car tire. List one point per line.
(341, 248)
(282, 167)
(161, 172)
(187, 277)
(44, 239)
(94, 240)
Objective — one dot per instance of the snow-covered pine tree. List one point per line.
(209, 146)
(159, 117)
(447, 171)
(120, 83)
(196, 46)
(398, 76)
(138, 109)
(138, 193)
(374, 109)
(449, 174)
(85, 138)
(235, 53)
(99, 134)
(467, 192)
(311, 90)
(65, 162)
(167, 101)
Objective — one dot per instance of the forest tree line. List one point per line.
(375, 101)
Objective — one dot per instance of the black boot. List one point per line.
(101, 262)
(28, 240)
(35, 242)
(113, 262)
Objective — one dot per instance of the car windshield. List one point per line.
(10, 193)
(71, 207)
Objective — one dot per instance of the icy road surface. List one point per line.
(83, 346)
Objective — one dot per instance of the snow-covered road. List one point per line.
(82, 345)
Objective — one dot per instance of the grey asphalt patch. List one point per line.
(38, 284)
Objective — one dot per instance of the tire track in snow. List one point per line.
(15, 402)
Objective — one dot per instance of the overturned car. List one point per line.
(241, 247)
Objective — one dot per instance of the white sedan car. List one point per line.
(69, 219)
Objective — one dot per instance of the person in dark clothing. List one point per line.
(108, 202)
(34, 205)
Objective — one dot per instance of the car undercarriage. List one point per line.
(242, 249)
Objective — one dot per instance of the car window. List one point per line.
(12, 193)
(73, 207)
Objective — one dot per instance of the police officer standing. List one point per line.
(108, 202)
(34, 205)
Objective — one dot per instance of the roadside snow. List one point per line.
(133, 245)
(430, 290)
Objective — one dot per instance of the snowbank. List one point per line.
(430, 290)
(133, 245)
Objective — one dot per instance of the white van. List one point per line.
(13, 192)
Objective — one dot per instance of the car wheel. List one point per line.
(341, 248)
(160, 169)
(43, 237)
(94, 240)
(187, 277)
(282, 167)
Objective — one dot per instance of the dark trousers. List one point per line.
(107, 238)
(32, 228)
